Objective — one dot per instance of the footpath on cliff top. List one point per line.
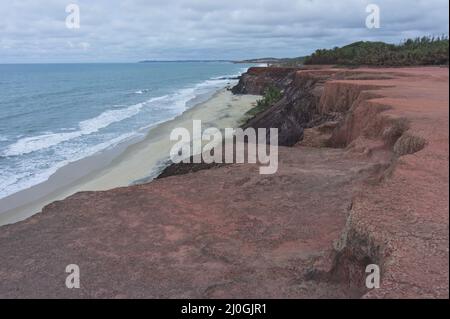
(363, 179)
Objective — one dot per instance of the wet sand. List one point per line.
(127, 163)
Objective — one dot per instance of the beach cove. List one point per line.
(132, 162)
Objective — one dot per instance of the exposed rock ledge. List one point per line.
(307, 231)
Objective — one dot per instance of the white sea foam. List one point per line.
(36, 143)
(230, 76)
(107, 118)
(30, 172)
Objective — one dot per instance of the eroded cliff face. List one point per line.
(363, 181)
(294, 112)
(384, 115)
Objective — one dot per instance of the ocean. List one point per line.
(55, 114)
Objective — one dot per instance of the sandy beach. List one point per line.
(128, 163)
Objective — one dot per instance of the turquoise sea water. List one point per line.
(51, 115)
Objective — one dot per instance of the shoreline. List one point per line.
(137, 160)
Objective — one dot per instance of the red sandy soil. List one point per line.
(307, 231)
(408, 213)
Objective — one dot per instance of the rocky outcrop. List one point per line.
(365, 181)
(257, 79)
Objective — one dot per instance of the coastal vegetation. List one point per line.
(418, 51)
(274, 62)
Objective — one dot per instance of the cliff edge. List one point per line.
(363, 179)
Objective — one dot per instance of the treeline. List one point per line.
(419, 51)
(289, 62)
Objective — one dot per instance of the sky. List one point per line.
(132, 30)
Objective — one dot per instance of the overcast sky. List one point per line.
(133, 30)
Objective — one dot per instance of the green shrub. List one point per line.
(419, 51)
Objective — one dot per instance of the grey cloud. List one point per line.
(131, 30)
